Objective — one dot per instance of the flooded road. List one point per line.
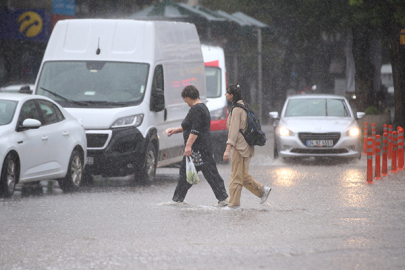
(319, 215)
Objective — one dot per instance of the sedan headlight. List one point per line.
(133, 120)
(285, 132)
(353, 132)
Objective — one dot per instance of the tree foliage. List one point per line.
(310, 34)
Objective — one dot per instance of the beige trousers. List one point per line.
(240, 177)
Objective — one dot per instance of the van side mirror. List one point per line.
(25, 90)
(157, 101)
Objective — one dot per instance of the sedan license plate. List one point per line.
(319, 143)
(89, 160)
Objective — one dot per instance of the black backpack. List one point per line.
(253, 133)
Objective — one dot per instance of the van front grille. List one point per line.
(96, 140)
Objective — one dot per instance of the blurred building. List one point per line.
(25, 27)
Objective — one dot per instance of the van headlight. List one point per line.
(353, 132)
(133, 120)
(285, 132)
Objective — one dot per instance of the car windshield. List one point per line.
(7, 108)
(213, 79)
(93, 83)
(317, 107)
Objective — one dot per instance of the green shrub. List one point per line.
(372, 110)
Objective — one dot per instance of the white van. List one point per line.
(215, 73)
(123, 79)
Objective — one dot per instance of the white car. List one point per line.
(317, 126)
(39, 140)
(15, 88)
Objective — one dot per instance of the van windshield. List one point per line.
(213, 80)
(93, 84)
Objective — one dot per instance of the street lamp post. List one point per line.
(259, 72)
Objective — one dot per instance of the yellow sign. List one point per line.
(30, 24)
(402, 37)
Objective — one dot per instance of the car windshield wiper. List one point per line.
(65, 99)
(109, 103)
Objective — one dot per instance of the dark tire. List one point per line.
(275, 150)
(146, 173)
(9, 175)
(73, 178)
(87, 179)
(219, 156)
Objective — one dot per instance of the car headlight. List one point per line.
(133, 120)
(285, 132)
(218, 114)
(353, 132)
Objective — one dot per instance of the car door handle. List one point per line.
(44, 138)
(66, 133)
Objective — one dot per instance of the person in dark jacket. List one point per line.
(196, 133)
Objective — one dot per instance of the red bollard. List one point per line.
(370, 160)
(389, 141)
(394, 152)
(400, 148)
(377, 166)
(373, 136)
(365, 135)
(385, 130)
(384, 170)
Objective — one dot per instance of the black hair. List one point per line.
(190, 91)
(236, 91)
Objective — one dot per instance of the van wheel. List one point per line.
(9, 175)
(87, 179)
(219, 157)
(147, 172)
(73, 178)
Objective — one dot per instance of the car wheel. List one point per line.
(9, 175)
(147, 172)
(73, 178)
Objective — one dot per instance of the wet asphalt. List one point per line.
(321, 214)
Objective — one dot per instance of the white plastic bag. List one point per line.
(191, 172)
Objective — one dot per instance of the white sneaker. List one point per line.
(230, 208)
(266, 193)
(222, 203)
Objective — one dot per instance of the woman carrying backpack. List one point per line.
(242, 152)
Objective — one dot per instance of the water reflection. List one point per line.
(285, 177)
(100, 184)
(34, 189)
(357, 242)
(353, 178)
(355, 192)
